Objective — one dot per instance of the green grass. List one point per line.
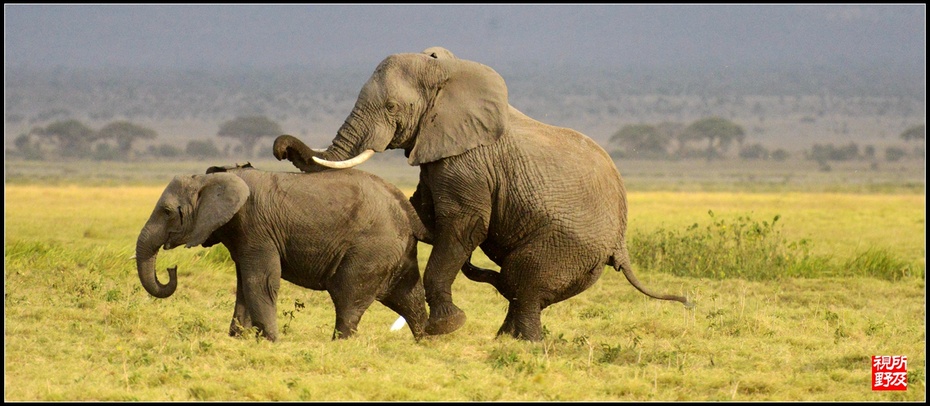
(78, 325)
(837, 225)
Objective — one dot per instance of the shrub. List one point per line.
(880, 263)
(754, 250)
(894, 154)
(202, 149)
(754, 151)
(28, 148)
(743, 248)
(780, 155)
(164, 151)
(106, 152)
(829, 152)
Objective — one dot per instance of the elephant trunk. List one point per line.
(341, 154)
(146, 251)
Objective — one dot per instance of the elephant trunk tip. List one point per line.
(159, 290)
(168, 290)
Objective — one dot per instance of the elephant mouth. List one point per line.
(402, 141)
(172, 240)
(171, 245)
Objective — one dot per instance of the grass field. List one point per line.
(79, 326)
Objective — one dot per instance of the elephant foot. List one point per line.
(444, 319)
(236, 328)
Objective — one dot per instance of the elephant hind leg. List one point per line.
(354, 286)
(533, 282)
(349, 311)
(408, 298)
(523, 321)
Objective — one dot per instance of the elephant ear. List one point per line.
(219, 199)
(468, 110)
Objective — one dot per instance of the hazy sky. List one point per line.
(255, 36)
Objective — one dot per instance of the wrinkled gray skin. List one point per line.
(347, 232)
(545, 203)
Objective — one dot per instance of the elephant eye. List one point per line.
(391, 106)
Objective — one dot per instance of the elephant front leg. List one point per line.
(422, 202)
(241, 319)
(260, 282)
(451, 249)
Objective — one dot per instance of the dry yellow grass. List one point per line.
(79, 327)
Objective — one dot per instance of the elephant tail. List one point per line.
(482, 275)
(621, 262)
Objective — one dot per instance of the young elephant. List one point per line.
(349, 233)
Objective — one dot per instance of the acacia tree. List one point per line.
(642, 140)
(74, 139)
(915, 133)
(672, 131)
(248, 130)
(29, 148)
(719, 132)
(125, 133)
(918, 134)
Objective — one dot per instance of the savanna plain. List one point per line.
(798, 276)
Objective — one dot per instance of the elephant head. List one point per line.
(431, 104)
(189, 210)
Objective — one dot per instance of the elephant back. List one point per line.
(420, 232)
(227, 168)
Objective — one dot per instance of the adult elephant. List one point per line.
(545, 203)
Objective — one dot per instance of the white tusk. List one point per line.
(318, 149)
(399, 324)
(347, 163)
(132, 257)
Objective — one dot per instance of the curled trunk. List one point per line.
(146, 251)
(310, 159)
(348, 149)
(340, 154)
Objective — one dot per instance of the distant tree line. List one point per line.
(824, 153)
(71, 138)
(711, 138)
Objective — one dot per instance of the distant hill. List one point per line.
(789, 108)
